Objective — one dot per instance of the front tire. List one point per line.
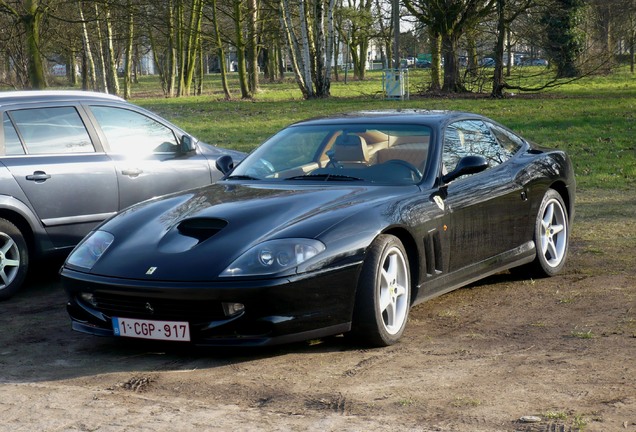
(14, 259)
(383, 297)
(551, 235)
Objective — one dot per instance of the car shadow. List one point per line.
(37, 343)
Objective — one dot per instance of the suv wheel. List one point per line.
(14, 259)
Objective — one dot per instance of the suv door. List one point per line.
(147, 154)
(69, 183)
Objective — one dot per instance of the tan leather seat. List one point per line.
(351, 151)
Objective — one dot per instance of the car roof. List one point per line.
(392, 116)
(37, 96)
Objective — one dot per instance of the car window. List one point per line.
(51, 130)
(391, 154)
(472, 137)
(132, 133)
(297, 149)
(510, 142)
(12, 144)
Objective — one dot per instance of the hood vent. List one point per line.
(201, 228)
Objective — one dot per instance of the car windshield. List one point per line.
(388, 154)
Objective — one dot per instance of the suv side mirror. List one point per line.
(472, 164)
(225, 164)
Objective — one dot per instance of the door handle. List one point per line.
(132, 172)
(38, 176)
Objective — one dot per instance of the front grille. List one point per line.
(158, 308)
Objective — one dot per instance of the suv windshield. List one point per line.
(389, 154)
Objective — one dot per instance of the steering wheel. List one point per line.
(332, 160)
(416, 175)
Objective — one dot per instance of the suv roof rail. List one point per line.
(39, 95)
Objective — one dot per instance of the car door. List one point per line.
(488, 210)
(69, 182)
(147, 155)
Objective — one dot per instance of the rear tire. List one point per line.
(14, 259)
(383, 297)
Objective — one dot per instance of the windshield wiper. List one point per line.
(325, 177)
(241, 177)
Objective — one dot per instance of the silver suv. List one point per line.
(69, 160)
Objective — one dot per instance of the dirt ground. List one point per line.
(478, 359)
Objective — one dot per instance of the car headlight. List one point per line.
(87, 253)
(274, 256)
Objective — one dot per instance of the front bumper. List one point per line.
(276, 311)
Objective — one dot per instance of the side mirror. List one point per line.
(187, 144)
(225, 164)
(472, 164)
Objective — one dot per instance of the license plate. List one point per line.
(152, 329)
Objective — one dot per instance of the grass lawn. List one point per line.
(594, 119)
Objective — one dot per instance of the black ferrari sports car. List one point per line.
(333, 225)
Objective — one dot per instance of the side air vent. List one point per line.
(201, 228)
(433, 253)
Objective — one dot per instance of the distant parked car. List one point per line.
(69, 160)
(423, 64)
(534, 62)
(487, 62)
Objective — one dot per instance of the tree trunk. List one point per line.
(294, 49)
(240, 50)
(221, 52)
(336, 52)
(111, 70)
(511, 58)
(85, 80)
(326, 87)
(498, 79)
(631, 37)
(129, 53)
(362, 60)
(472, 62)
(200, 72)
(180, 48)
(71, 67)
(189, 57)
(305, 50)
(252, 46)
(161, 69)
(604, 24)
(436, 60)
(452, 81)
(563, 38)
(279, 62)
(171, 60)
(31, 21)
(322, 80)
(89, 79)
(101, 84)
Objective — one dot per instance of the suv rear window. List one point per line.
(49, 130)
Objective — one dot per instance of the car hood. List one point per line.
(196, 234)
